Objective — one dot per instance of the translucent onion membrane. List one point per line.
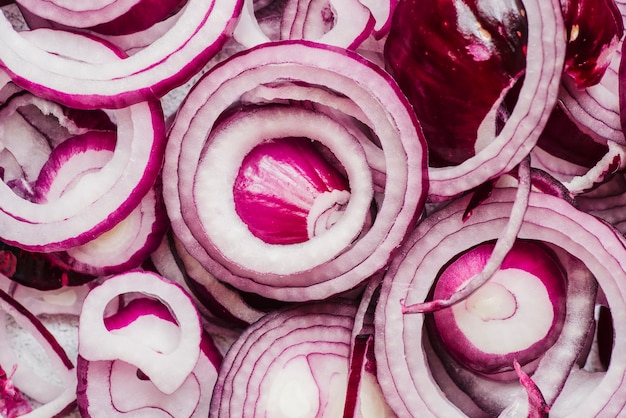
(415, 383)
(64, 67)
(345, 23)
(97, 200)
(498, 151)
(336, 99)
(114, 387)
(51, 395)
(296, 363)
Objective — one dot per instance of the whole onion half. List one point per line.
(62, 65)
(297, 363)
(348, 109)
(97, 200)
(416, 383)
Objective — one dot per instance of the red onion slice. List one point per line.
(404, 371)
(545, 55)
(98, 200)
(310, 66)
(60, 68)
(294, 363)
(167, 370)
(114, 387)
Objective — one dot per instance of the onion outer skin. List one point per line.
(319, 65)
(597, 244)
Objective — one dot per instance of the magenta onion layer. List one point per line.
(40, 63)
(201, 162)
(96, 201)
(498, 151)
(399, 353)
(295, 361)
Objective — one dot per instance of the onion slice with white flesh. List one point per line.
(117, 388)
(194, 171)
(98, 199)
(497, 152)
(167, 370)
(56, 394)
(62, 66)
(344, 23)
(549, 219)
(296, 363)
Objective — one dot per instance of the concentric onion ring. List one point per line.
(53, 72)
(307, 67)
(98, 200)
(399, 352)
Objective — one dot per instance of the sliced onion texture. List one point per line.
(295, 363)
(56, 64)
(166, 369)
(590, 250)
(224, 119)
(118, 388)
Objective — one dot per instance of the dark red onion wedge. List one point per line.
(114, 387)
(573, 233)
(52, 394)
(496, 150)
(38, 270)
(295, 362)
(202, 163)
(595, 29)
(97, 201)
(167, 370)
(595, 109)
(56, 64)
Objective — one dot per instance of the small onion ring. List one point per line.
(100, 199)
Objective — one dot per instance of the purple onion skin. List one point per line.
(140, 17)
(273, 212)
(38, 270)
(450, 74)
(562, 138)
(593, 26)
